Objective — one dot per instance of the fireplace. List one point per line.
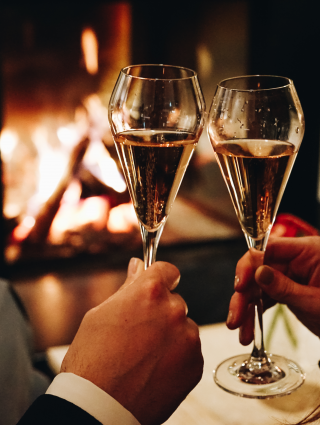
(64, 193)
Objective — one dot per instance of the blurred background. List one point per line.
(68, 228)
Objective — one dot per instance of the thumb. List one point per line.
(284, 290)
(135, 268)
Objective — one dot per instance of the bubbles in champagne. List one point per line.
(154, 163)
(256, 173)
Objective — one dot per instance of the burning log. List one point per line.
(40, 230)
(91, 186)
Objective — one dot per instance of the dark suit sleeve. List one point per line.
(51, 410)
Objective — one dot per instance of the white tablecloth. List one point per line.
(207, 404)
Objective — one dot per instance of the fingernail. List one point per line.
(236, 281)
(264, 275)
(133, 266)
(229, 318)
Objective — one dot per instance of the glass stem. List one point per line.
(150, 242)
(258, 369)
(258, 351)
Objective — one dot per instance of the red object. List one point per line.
(289, 225)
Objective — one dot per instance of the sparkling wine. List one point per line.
(256, 173)
(154, 163)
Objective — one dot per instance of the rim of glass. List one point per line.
(242, 77)
(194, 73)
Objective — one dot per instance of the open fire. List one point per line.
(63, 190)
(80, 192)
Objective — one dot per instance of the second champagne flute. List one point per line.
(156, 115)
(256, 125)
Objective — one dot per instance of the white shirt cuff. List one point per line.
(91, 398)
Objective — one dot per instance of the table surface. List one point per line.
(207, 404)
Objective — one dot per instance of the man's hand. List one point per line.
(290, 275)
(139, 346)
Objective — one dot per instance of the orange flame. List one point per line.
(89, 44)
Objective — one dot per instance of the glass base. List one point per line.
(284, 377)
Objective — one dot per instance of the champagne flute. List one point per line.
(256, 126)
(156, 115)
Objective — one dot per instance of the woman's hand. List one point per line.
(290, 275)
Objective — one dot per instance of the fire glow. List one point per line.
(89, 44)
(74, 213)
(62, 185)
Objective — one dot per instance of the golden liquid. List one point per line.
(154, 163)
(256, 173)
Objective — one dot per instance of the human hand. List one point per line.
(291, 275)
(139, 346)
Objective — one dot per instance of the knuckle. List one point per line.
(157, 267)
(177, 308)
(155, 284)
(191, 338)
(153, 289)
(166, 273)
(193, 334)
(178, 315)
(162, 267)
(158, 270)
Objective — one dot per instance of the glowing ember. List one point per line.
(93, 211)
(8, 141)
(122, 219)
(23, 229)
(72, 217)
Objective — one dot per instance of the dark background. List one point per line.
(283, 39)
